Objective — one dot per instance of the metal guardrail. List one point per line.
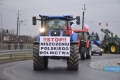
(15, 51)
(15, 46)
(11, 51)
(10, 54)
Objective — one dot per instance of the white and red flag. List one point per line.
(86, 27)
(99, 23)
(106, 24)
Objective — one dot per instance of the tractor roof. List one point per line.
(64, 17)
(93, 35)
(80, 31)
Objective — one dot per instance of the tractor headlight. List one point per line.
(42, 30)
(100, 49)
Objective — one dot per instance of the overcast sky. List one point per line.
(97, 11)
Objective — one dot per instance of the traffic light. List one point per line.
(34, 20)
(78, 20)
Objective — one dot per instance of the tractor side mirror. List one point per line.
(71, 23)
(78, 20)
(34, 20)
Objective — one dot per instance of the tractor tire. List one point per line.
(83, 53)
(88, 55)
(104, 50)
(113, 48)
(73, 60)
(39, 62)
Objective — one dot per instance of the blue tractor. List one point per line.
(55, 42)
(94, 38)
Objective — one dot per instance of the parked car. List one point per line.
(96, 50)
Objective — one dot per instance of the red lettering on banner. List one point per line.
(64, 39)
(48, 39)
(54, 39)
(44, 39)
(60, 39)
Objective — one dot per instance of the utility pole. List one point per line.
(83, 16)
(1, 29)
(1, 25)
(18, 24)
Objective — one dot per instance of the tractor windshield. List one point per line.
(56, 24)
(94, 38)
(83, 35)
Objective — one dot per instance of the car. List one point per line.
(96, 50)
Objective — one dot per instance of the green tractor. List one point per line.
(110, 43)
(55, 41)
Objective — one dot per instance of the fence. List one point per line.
(15, 46)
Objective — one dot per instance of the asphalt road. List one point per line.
(23, 70)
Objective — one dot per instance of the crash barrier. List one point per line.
(15, 51)
(10, 46)
(10, 53)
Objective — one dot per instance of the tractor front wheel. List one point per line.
(104, 49)
(73, 60)
(39, 62)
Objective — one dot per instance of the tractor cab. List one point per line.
(55, 25)
(82, 34)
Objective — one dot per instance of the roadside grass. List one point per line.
(14, 57)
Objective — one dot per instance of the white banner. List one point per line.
(54, 46)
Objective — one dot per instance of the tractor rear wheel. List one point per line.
(88, 55)
(83, 53)
(113, 48)
(39, 62)
(73, 60)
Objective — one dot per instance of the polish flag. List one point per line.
(106, 24)
(99, 23)
(72, 25)
(86, 27)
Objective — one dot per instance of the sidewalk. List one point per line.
(100, 64)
